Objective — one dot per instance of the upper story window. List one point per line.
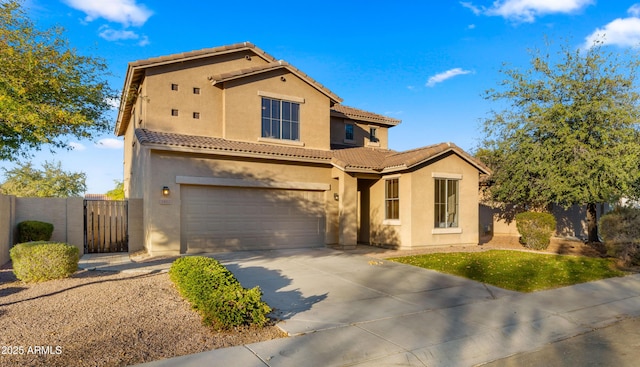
(348, 132)
(174, 87)
(373, 134)
(392, 199)
(280, 119)
(446, 201)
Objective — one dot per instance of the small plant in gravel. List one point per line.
(217, 294)
(33, 230)
(536, 229)
(40, 260)
(620, 230)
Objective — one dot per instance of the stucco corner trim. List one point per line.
(446, 230)
(453, 176)
(238, 182)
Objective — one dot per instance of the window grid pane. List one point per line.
(280, 119)
(446, 203)
(392, 199)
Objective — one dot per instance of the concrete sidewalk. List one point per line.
(352, 310)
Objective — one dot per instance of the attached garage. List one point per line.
(220, 218)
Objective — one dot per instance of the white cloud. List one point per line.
(110, 143)
(623, 32)
(125, 12)
(77, 146)
(527, 10)
(441, 77)
(471, 26)
(114, 35)
(144, 40)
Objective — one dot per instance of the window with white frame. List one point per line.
(280, 119)
(373, 134)
(447, 198)
(392, 199)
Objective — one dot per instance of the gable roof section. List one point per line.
(339, 110)
(135, 73)
(360, 159)
(281, 64)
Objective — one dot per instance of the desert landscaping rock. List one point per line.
(104, 319)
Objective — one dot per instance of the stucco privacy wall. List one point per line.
(67, 217)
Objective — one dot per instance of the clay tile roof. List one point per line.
(229, 146)
(350, 159)
(361, 115)
(201, 53)
(281, 64)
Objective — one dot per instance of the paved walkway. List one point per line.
(343, 309)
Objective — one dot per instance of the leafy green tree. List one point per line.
(48, 92)
(51, 181)
(569, 132)
(118, 192)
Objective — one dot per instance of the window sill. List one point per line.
(295, 143)
(446, 230)
(391, 222)
(373, 144)
(349, 141)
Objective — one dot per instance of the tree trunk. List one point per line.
(592, 223)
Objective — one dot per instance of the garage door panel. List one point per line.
(228, 219)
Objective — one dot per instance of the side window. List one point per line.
(392, 199)
(280, 119)
(348, 132)
(446, 201)
(373, 135)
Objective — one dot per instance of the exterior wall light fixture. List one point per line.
(336, 197)
(165, 191)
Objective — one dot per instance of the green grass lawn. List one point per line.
(516, 270)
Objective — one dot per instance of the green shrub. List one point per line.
(620, 230)
(39, 261)
(535, 229)
(216, 293)
(33, 230)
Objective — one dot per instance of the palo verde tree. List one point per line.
(48, 92)
(50, 181)
(569, 132)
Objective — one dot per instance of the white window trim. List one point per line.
(387, 221)
(392, 222)
(454, 230)
(450, 176)
(281, 97)
(296, 143)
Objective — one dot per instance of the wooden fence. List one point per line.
(105, 226)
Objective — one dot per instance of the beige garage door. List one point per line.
(230, 219)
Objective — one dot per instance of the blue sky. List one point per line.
(424, 62)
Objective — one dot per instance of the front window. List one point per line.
(280, 119)
(446, 203)
(348, 132)
(392, 199)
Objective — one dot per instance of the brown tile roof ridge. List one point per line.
(358, 114)
(272, 66)
(202, 53)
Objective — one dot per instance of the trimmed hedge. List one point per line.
(33, 230)
(41, 260)
(620, 231)
(535, 229)
(216, 293)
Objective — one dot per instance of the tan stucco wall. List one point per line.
(66, 215)
(243, 107)
(7, 225)
(162, 225)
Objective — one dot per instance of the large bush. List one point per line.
(535, 229)
(217, 294)
(33, 230)
(620, 231)
(40, 261)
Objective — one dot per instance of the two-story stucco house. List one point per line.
(231, 149)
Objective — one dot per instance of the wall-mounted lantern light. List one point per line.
(336, 197)
(165, 191)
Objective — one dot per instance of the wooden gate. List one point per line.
(105, 226)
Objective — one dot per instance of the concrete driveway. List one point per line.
(342, 310)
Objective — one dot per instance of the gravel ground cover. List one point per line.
(104, 319)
